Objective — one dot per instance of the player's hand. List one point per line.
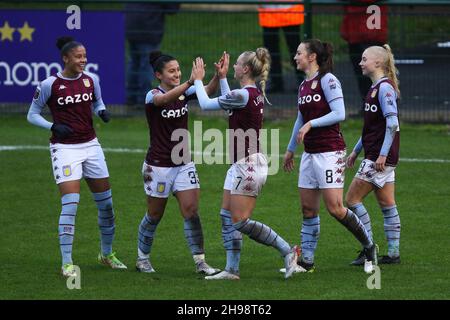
(104, 115)
(61, 131)
(380, 163)
(191, 78)
(303, 131)
(350, 162)
(288, 161)
(222, 65)
(198, 69)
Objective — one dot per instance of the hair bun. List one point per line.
(263, 54)
(61, 41)
(154, 55)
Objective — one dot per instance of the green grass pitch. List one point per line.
(30, 207)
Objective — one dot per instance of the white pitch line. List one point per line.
(127, 150)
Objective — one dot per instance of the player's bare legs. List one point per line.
(101, 192)
(333, 202)
(226, 199)
(156, 207)
(188, 203)
(69, 187)
(241, 207)
(386, 195)
(98, 185)
(357, 191)
(310, 201)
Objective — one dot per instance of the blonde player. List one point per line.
(381, 142)
(248, 173)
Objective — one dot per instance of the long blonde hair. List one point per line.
(259, 63)
(389, 68)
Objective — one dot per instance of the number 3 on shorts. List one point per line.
(193, 176)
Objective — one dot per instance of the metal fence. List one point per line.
(419, 34)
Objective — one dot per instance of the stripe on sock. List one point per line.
(364, 216)
(232, 242)
(263, 234)
(106, 220)
(309, 236)
(146, 234)
(66, 225)
(194, 235)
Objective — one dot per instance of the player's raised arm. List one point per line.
(198, 74)
(213, 85)
(168, 167)
(236, 99)
(222, 70)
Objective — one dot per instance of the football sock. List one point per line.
(232, 242)
(66, 228)
(105, 220)
(354, 225)
(146, 233)
(309, 237)
(363, 215)
(194, 235)
(392, 230)
(263, 234)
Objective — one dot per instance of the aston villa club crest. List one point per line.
(86, 82)
(314, 84)
(67, 171)
(374, 93)
(161, 187)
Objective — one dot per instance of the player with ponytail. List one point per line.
(72, 95)
(320, 109)
(380, 140)
(166, 170)
(249, 169)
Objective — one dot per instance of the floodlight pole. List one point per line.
(307, 30)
